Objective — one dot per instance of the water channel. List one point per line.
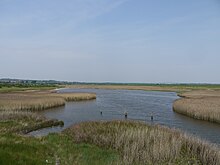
(139, 105)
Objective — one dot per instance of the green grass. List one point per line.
(18, 150)
(73, 153)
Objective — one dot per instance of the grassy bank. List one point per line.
(141, 144)
(17, 149)
(202, 105)
(20, 150)
(24, 122)
(35, 100)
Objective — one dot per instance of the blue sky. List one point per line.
(111, 40)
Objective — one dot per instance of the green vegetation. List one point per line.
(25, 85)
(20, 150)
(9, 87)
(24, 122)
(139, 143)
(17, 149)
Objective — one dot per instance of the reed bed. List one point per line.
(30, 102)
(199, 108)
(202, 105)
(36, 101)
(76, 96)
(139, 143)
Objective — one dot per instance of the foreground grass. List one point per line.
(19, 150)
(38, 100)
(202, 105)
(138, 143)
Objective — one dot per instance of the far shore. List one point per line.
(179, 88)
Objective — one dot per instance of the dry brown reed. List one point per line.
(35, 101)
(76, 96)
(203, 109)
(31, 102)
(202, 105)
(143, 144)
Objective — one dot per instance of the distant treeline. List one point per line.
(152, 84)
(52, 83)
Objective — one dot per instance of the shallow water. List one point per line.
(139, 105)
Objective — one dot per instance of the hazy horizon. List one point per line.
(122, 41)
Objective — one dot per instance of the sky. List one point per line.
(136, 41)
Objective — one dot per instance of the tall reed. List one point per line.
(76, 96)
(29, 102)
(144, 144)
(35, 101)
(207, 108)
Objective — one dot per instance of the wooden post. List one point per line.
(151, 117)
(126, 115)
